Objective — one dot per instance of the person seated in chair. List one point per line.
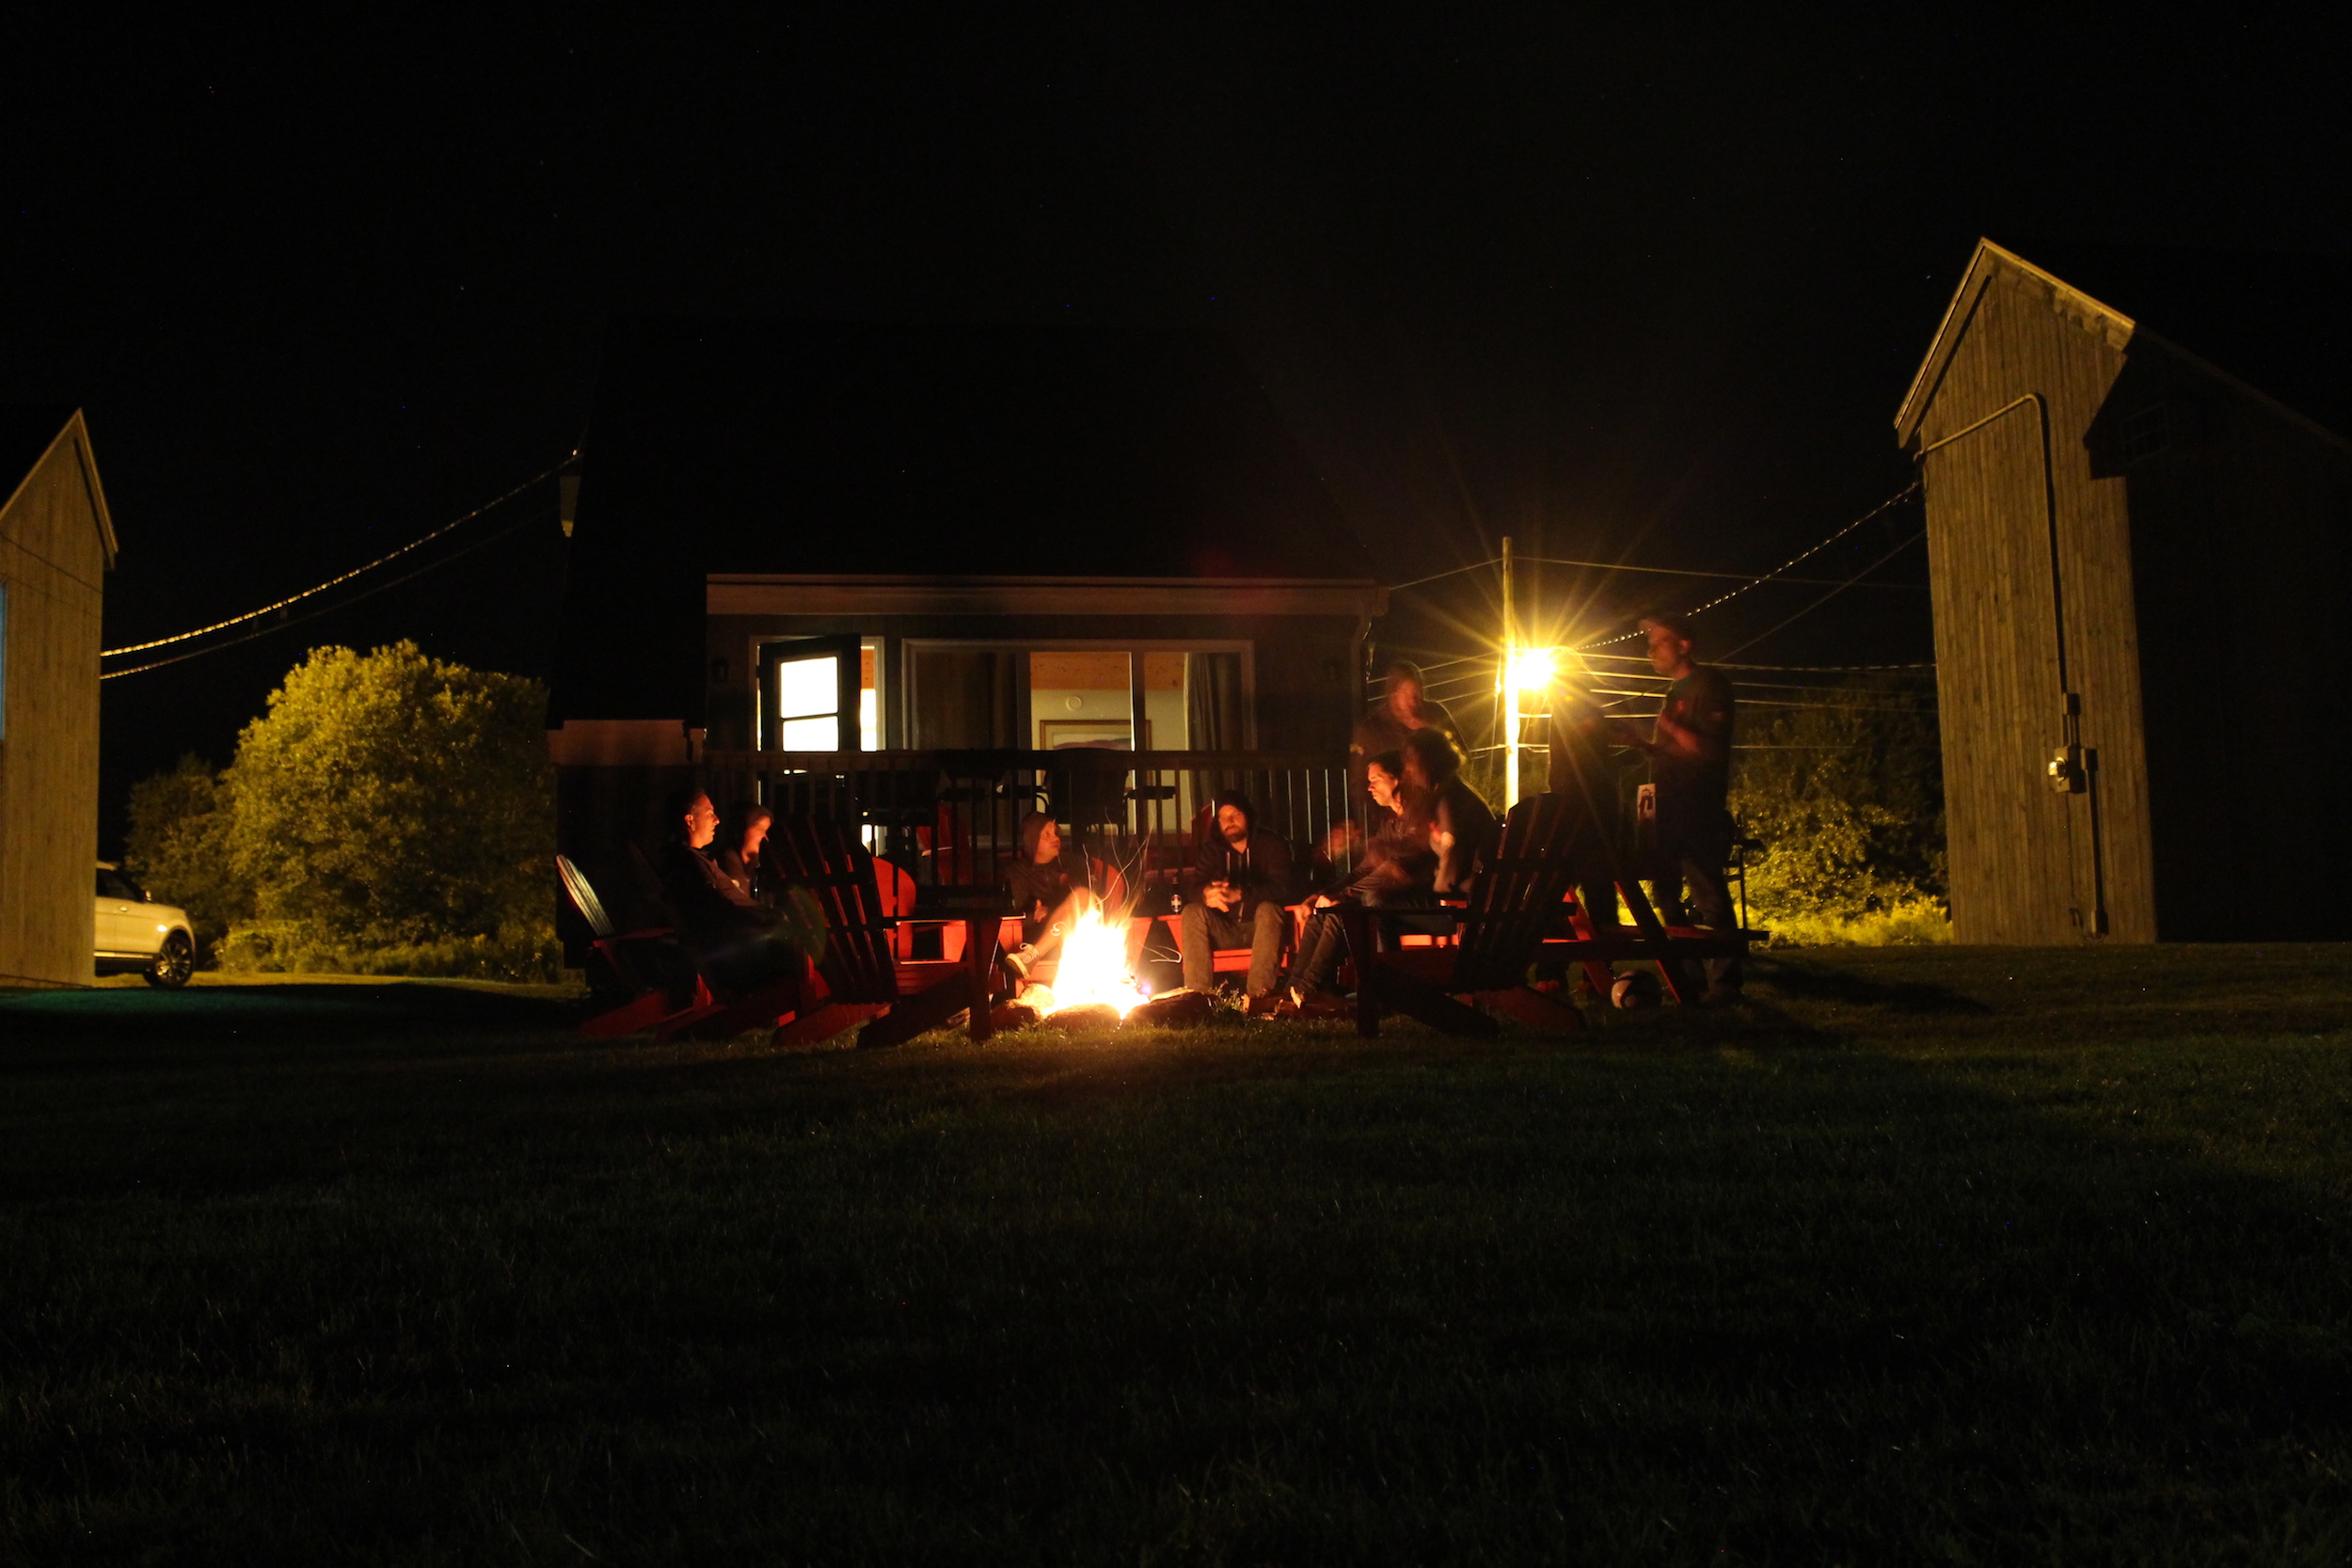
(1051, 888)
(743, 862)
(1395, 872)
(1245, 874)
(738, 944)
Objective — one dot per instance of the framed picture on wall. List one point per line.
(1093, 735)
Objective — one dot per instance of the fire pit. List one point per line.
(1093, 989)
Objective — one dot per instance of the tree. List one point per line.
(1847, 801)
(394, 799)
(178, 849)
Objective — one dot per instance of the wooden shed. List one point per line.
(2137, 553)
(57, 544)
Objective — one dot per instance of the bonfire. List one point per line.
(1092, 971)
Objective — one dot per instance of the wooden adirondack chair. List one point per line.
(1672, 948)
(1514, 905)
(642, 962)
(864, 978)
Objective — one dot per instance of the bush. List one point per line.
(178, 849)
(390, 815)
(522, 953)
(393, 800)
(1847, 801)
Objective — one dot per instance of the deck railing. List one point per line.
(953, 817)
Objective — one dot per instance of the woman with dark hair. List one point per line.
(1051, 889)
(741, 861)
(1395, 873)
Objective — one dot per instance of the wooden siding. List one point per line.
(2030, 864)
(52, 559)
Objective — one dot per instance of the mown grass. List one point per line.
(1939, 1255)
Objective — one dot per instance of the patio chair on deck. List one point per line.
(864, 978)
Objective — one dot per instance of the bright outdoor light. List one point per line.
(1531, 669)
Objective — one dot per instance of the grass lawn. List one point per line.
(1923, 1256)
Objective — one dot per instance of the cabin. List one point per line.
(2137, 530)
(57, 544)
(925, 579)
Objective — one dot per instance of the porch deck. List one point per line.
(952, 818)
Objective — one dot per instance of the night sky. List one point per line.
(1645, 289)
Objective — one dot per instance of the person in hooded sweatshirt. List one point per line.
(1244, 876)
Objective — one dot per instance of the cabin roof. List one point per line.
(27, 432)
(2270, 323)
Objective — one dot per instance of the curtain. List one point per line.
(966, 699)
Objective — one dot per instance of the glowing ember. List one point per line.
(1093, 972)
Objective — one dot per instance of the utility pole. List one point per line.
(1510, 687)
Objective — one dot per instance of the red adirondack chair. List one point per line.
(644, 964)
(863, 978)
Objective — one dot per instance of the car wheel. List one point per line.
(174, 963)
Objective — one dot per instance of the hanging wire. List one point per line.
(1787, 669)
(1395, 587)
(368, 592)
(1904, 494)
(1834, 591)
(1691, 572)
(307, 593)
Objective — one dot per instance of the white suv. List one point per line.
(137, 934)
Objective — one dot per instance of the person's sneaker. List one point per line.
(1020, 958)
(1721, 996)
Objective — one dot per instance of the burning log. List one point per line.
(1014, 1014)
(1175, 1009)
(1087, 1015)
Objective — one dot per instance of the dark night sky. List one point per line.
(1644, 289)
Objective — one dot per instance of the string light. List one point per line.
(332, 583)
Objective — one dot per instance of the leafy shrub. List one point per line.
(524, 953)
(1847, 801)
(390, 815)
(178, 849)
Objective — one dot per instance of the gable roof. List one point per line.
(2271, 324)
(27, 434)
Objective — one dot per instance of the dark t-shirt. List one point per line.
(1468, 823)
(1031, 884)
(710, 909)
(1691, 790)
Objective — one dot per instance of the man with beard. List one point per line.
(1245, 874)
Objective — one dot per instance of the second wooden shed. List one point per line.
(2138, 560)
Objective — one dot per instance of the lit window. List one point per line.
(808, 704)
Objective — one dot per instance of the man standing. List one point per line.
(1690, 758)
(1245, 882)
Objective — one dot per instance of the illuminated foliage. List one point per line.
(178, 849)
(1847, 801)
(390, 799)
